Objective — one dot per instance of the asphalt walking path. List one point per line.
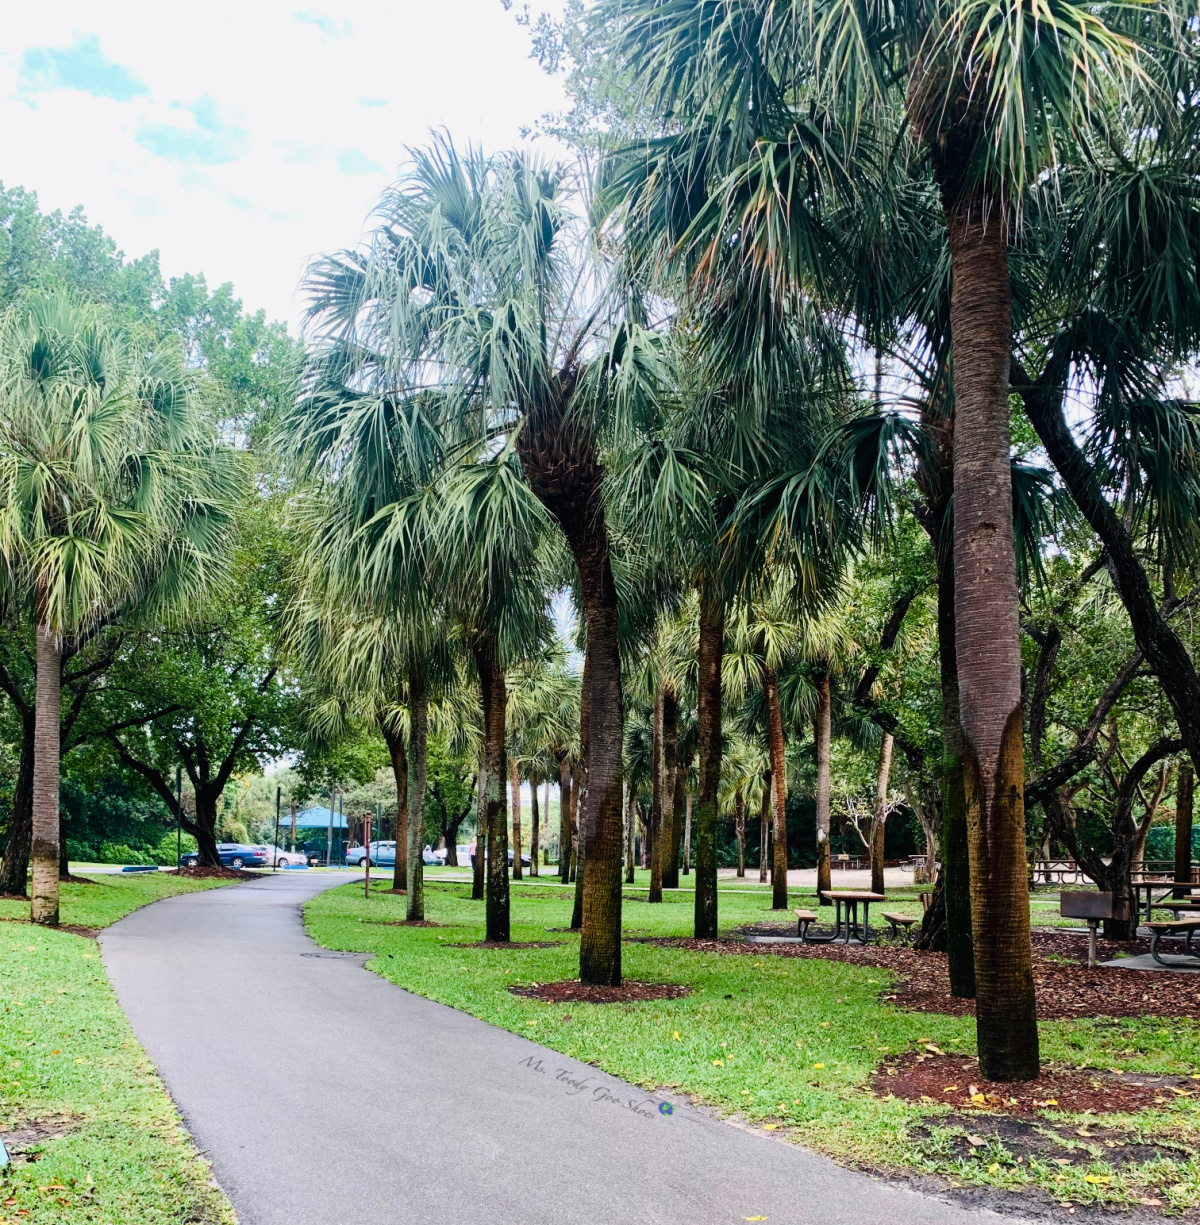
(325, 1095)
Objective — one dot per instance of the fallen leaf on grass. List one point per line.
(1098, 1178)
(818, 1065)
(976, 1141)
(1150, 1203)
(770, 1126)
(994, 1168)
(950, 1089)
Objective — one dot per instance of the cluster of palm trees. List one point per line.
(644, 385)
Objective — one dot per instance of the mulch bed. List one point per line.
(404, 923)
(24, 1139)
(575, 992)
(507, 944)
(1063, 990)
(90, 933)
(955, 1079)
(200, 872)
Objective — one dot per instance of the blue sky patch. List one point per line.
(354, 161)
(213, 141)
(81, 66)
(370, 102)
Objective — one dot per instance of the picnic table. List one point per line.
(851, 899)
(1169, 888)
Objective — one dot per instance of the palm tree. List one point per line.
(114, 500)
(497, 324)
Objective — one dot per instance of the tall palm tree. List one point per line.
(480, 288)
(114, 500)
(992, 94)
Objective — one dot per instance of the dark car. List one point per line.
(232, 855)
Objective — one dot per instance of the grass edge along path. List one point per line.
(788, 1045)
(71, 1069)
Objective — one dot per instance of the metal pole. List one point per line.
(275, 846)
(367, 856)
(178, 818)
(329, 831)
(341, 824)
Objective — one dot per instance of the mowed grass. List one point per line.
(786, 1044)
(69, 1062)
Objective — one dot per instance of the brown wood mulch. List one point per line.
(89, 933)
(573, 991)
(954, 1079)
(1063, 990)
(201, 872)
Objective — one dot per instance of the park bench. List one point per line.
(803, 919)
(898, 922)
(1186, 928)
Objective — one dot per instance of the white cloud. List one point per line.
(227, 158)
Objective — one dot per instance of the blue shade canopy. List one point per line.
(312, 818)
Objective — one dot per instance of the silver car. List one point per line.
(279, 857)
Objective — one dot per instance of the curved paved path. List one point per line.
(325, 1095)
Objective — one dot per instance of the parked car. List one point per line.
(280, 857)
(382, 855)
(232, 855)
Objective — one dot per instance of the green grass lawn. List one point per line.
(70, 1063)
(788, 1044)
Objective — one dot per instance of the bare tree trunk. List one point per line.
(708, 736)
(670, 787)
(535, 823)
(822, 735)
(394, 738)
(15, 875)
(419, 740)
(987, 634)
(764, 828)
(687, 833)
(656, 800)
(564, 819)
(546, 827)
(647, 837)
(1183, 826)
(779, 875)
(515, 799)
(491, 680)
(44, 900)
(879, 817)
(739, 829)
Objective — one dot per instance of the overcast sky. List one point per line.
(242, 138)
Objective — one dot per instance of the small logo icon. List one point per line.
(665, 1108)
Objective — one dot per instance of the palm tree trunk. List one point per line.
(44, 900)
(656, 800)
(477, 868)
(708, 735)
(822, 735)
(491, 681)
(739, 829)
(535, 830)
(764, 828)
(514, 781)
(579, 790)
(779, 877)
(987, 636)
(879, 817)
(546, 827)
(687, 833)
(670, 787)
(394, 739)
(419, 741)
(564, 819)
(630, 832)
(15, 873)
(677, 806)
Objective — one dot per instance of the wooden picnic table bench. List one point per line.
(803, 919)
(1185, 928)
(899, 921)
